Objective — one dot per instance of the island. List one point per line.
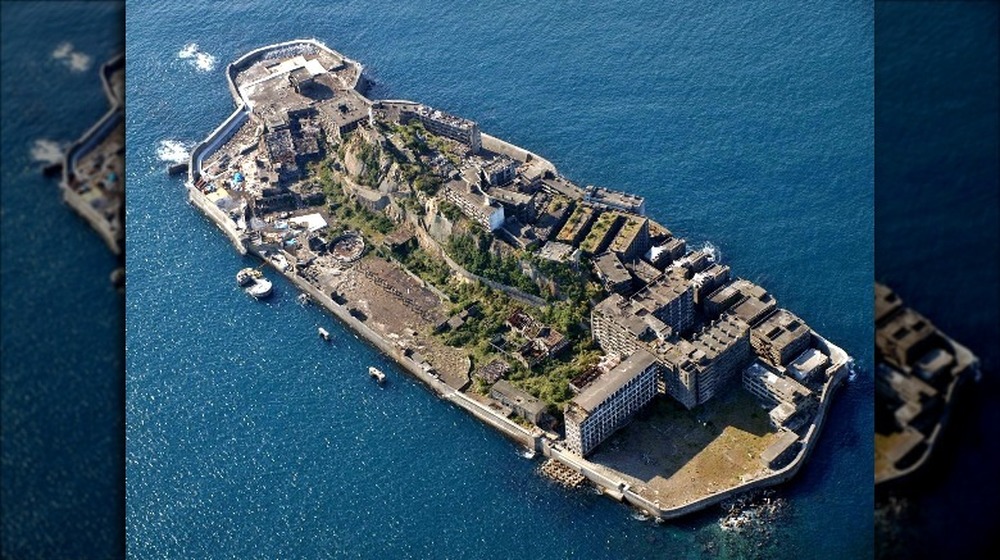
(919, 370)
(561, 315)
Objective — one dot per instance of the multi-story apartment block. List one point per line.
(780, 337)
(619, 326)
(632, 240)
(611, 401)
(444, 124)
(670, 298)
(695, 370)
(475, 204)
(614, 200)
(792, 401)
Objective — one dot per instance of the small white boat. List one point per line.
(324, 334)
(376, 374)
(303, 299)
(260, 289)
(247, 275)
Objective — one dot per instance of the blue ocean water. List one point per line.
(62, 320)
(937, 215)
(748, 125)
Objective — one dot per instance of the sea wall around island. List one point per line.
(535, 440)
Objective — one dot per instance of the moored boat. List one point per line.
(260, 289)
(253, 282)
(376, 374)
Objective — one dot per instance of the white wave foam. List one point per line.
(79, 62)
(205, 62)
(198, 58)
(852, 370)
(173, 151)
(188, 51)
(712, 251)
(72, 59)
(62, 51)
(47, 151)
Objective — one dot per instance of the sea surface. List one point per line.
(937, 213)
(62, 384)
(747, 125)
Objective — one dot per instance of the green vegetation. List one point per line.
(450, 211)
(552, 383)
(321, 172)
(601, 227)
(369, 155)
(568, 289)
(351, 214)
(420, 142)
(473, 254)
(576, 221)
(355, 216)
(414, 137)
(431, 269)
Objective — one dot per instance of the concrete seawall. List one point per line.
(518, 153)
(531, 439)
(96, 220)
(510, 429)
(107, 70)
(217, 216)
(214, 141)
(619, 489)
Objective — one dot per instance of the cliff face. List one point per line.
(366, 161)
(363, 158)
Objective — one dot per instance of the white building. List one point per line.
(611, 402)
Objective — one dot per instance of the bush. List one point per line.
(474, 255)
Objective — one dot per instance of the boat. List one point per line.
(260, 289)
(376, 374)
(303, 299)
(246, 275)
(253, 282)
(324, 334)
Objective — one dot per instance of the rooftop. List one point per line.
(617, 199)
(609, 266)
(599, 233)
(519, 396)
(606, 385)
(636, 319)
(629, 230)
(663, 291)
(781, 328)
(886, 302)
(576, 223)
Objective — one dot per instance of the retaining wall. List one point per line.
(614, 487)
(430, 244)
(217, 216)
(94, 218)
(507, 427)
